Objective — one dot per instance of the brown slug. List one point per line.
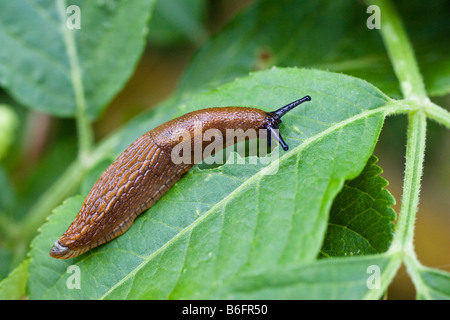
(145, 171)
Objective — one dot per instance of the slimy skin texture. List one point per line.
(144, 172)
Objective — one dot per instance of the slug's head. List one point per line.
(273, 119)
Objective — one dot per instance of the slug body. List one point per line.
(145, 171)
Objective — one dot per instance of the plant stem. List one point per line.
(438, 114)
(400, 52)
(405, 66)
(85, 135)
(415, 150)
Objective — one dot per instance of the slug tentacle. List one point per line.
(145, 171)
(276, 120)
(283, 110)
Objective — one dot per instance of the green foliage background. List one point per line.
(306, 227)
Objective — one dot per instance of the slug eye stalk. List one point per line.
(276, 116)
(283, 110)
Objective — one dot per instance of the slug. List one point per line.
(145, 171)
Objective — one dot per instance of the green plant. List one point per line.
(261, 231)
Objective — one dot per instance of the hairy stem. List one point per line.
(438, 114)
(400, 52)
(405, 66)
(415, 150)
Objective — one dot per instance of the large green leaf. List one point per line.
(340, 278)
(328, 35)
(217, 225)
(34, 61)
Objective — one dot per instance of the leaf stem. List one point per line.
(405, 66)
(415, 150)
(432, 111)
(85, 134)
(400, 52)
(407, 71)
(438, 114)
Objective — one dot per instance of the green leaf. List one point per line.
(38, 285)
(218, 224)
(34, 61)
(175, 22)
(361, 218)
(340, 278)
(14, 286)
(324, 35)
(435, 284)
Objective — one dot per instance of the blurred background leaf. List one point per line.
(436, 284)
(311, 34)
(34, 64)
(14, 287)
(176, 23)
(349, 47)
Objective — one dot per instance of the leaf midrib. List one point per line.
(386, 109)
